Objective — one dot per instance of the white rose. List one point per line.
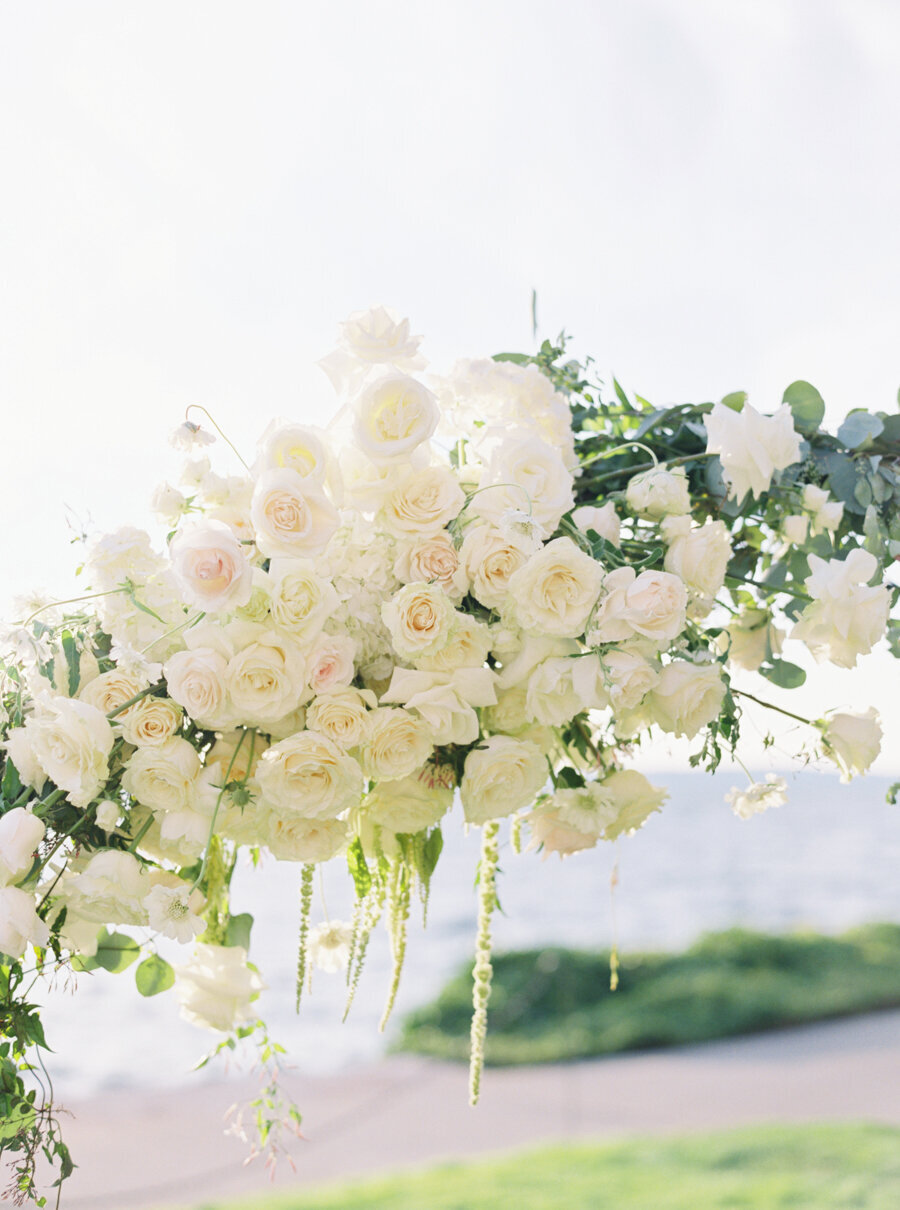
(751, 447)
(20, 924)
(330, 664)
(163, 777)
(294, 447)
(168, 503)
(510, 715)
(635, 801)
(110, 889)
(490, 558)
(846, 617)
(152, 720)
(603, 521)
(467, 646)
(195, 679)
(406, 806)
(795, 529)
(307, 775)
(445, 700)
(267, 678)
(826, 513)
(502, 777)
(292, 516)
(628, 677)
(523, 473)
(652, 604)
(341, 715)
(20, 750)
(754, 639)
(423, 502)
(396, 744)
(210, 567)
(110, 690)
(392, 417)
(852, 741)
(307, 840)
(125, 554)
(555, 591)
(433, 559)
(71, 741)
(216, 989)
(234, 756)
(699, 556)
(659, 493)
(20, 834)
(420, 618)
(758, 796)
(550, 696)
(553, 835)
(300, 599)
(686, 697)
(379, 336)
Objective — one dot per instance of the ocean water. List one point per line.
(829, 859)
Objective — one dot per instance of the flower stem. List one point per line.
(771, 706)
(482, 972)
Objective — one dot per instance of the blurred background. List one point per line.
(705, 196)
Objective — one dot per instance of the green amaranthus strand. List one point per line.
(306, 898)
(398, 908)
(217, 876)
(482, 972)
(370, 912)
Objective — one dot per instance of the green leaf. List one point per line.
(734, 400)
(806, 404)
(154, 975)
(359, 869)
(73, 660)
(859, 429)
(431, 851)
(784, 674)
(115, 951)
(11, 785)
(520, 359)
(238, 929)
(623, 398)
(570, 778)
(862, 492)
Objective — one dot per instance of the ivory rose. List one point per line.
(556, 589)
(852, 741)
(433, 559)
(490, 558)
(20, 834)
(110, 889)
(751, 447)
(635, 800)
(291, 515)
(196, 680)
(216, 988)
(20, 925)
(407, 806)
(525, 474)
(659, 493)
(210, 567)
(603, 521)
(289, 838)
(393, 416)
(341, 715)
(396, 744)
(652, 604)
(699, 556)
(686, 697)
(71, 742)
(420, 618)
(266, 677)
(330, 664)
(295, 447)
(163, 777)
(110, 690)
(300, 599)
(152, 720)
(753, 639)
(423, 502)
(307, 775)
(503, 776)
(846, 617)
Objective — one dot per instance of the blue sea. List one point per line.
(829, 859)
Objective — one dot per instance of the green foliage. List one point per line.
(237, 931)
(553, 1005)
(806, 404)
(772, 1167)
(115, 953)
(154, 975)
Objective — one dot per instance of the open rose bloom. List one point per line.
(451, 606)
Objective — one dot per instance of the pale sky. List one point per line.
(704, 194)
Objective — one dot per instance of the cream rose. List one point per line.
(71, 741)
(195, 680)
(751, 447)
(210, 567)
(501, 777)
(603, 521)
(341, 715)
(307, 775)
(852, 741)
(300, 600)
(291, 515)
(524, 473)
(110, 889)
(433, 559)
(490, 558)
(659, 493)
(699, 557)
(635, 800)
(216, 989)
(294, 447)
(20, 834)
(330, 664)
(307, 840)
(163, 777)
(423, 502)
(753, 639)
(406, 806)
(628, 675)
(110, 690)
(686, 697)
(846, 617)
(652, 604)
(420, 618)
(396, 744)
(20, 924)
(392, 416)
(467, 646)
(152, 720)
(555, 591)
(266, 679)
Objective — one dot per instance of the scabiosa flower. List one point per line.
(172, 912)
(329, 945)
(759, 796)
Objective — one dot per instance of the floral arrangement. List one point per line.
(492, 585)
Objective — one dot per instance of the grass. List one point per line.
(555, 1005)
(824, 1167)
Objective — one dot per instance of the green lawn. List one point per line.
(825, 1167)
(554, 1005)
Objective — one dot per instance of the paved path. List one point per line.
(166, 1149)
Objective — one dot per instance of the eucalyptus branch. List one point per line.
(649, 466)
(771, 706)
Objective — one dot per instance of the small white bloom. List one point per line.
(852, 741)
(216, 988)
(826, 513)
(108, 814)
(168, 503)
(329, 945)
(603, 521)
(659, 493)
(795, 528)
(20, 924)
(170, 912)
(189, 436)
(20, 834)
(758, 796)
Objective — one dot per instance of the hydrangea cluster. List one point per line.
(485, 587)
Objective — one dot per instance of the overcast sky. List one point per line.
(704, 194)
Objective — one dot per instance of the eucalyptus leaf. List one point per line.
(784, 674)
(519, 359)
(237, 931)
(734, 400)
(859, 429)
(115, 952)
(806, 404)
(154, 975)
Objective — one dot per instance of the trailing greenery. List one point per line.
(553, 1005)
(833, 1167)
